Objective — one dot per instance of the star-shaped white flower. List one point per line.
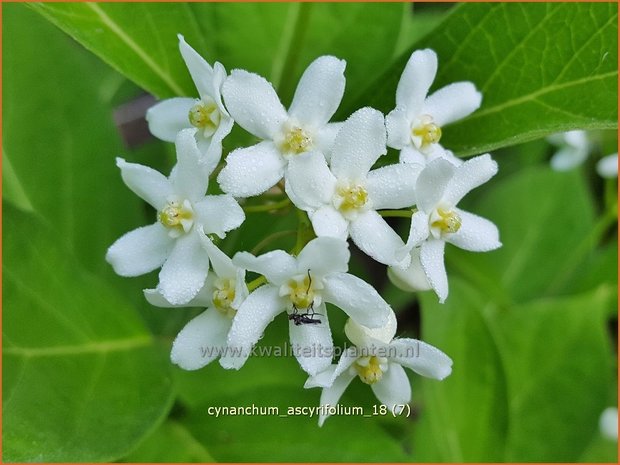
(173, 241)
(414, 126)
(342, 200)
(254, 105)
(378, 360)
(203, 339)
(207, 114)
(440, 186)
(300, 286)
(574, 148)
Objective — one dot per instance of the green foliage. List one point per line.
(541, 68)
(84, 379)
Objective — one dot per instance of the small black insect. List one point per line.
(306, 318)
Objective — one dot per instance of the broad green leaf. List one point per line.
(82, 378)
(12, 189)
(541, 67)
(138, 39)
(529, 381)
(275, 40)
(60, 139)
(171, 443)
(463, 418)
(542, 215)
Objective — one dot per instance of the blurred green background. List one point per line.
(532, 327)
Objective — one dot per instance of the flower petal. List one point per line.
(356, 298)
(607, 167)
(253, 104)
(319, 91)
(168, 117)
(331, 395)
(251, 171)
(568, 158)
(327, 221)
(256, 312)
(327, 377)
(358, 145)
(469, 175)
(476, 234)
(140, 251)
(201, 341)
(431, 257)
(411, 155)
(398, 129)
(420, 357)
(219, 214)
(419, 230)
(412, 278)
(324, 255)
(311, 180)
(432, 184)
(393, 388)
(415, 81)
(221, 263)
(146, 183)
(203, 299)
(312, 344)
(393, 186)
(452, 103)
(324, 139)
(200, 71)
(377, 239)
(277, 266)
(211, 148)
(364, 337)
(184, 273)
(188, 177)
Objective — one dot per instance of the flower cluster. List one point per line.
(326, 170)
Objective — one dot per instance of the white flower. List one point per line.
(203, 339)
(378, 359)
(301, 286)
(608, 423)
(343, 200)
(207, 114)
(254, 105)
(173, 241)
(607, 167)
(414, 126)
(574, 149)
(440, 186)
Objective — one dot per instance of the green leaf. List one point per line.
(541, 214)
(275, 40)
(83, 379)
(139, 40)
(541, 67)
(171, 443)
(529, 381)
(59, 137)
(463, 418)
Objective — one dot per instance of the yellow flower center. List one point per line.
(205, 115)
(370, 369)
(295, 141)
(426, 132)
(447, 221)
(350, 197)
(301, 291)
(177, 216)
(224, 295)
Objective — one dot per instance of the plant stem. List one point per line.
(256, 283)
(272, 237)
(396, 213)
(267, 207)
